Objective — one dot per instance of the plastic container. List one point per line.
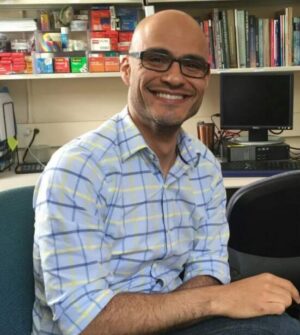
(7, 118)
(64, 35)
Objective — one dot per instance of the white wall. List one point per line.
(65, 108)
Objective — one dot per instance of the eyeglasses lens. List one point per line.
(158, 61)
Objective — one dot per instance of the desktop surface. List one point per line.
(258, 168)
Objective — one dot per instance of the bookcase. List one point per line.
(63, 106)
(240, 17)
(60, 105)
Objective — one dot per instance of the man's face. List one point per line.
(165, 99)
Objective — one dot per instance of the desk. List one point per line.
(9, 179)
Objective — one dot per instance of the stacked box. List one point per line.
(78, 65)
(96, 62)
(12, 62)
(62, 64)
(43, 62)
(100, 19)
(112, 62)
(104, 40)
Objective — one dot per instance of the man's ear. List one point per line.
(125, 70)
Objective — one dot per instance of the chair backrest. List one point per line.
(16, 265)
(264, 222)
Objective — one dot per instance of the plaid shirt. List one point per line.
(107, 221)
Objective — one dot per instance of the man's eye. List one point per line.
(155, 58)
(193, 65)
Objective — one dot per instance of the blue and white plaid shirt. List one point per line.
(107, 221)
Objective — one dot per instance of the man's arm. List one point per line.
(135, 313)
(199, 281)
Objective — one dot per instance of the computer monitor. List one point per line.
(257, 102)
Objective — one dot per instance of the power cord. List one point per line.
(35, 132)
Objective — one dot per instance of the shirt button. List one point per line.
(160, 282)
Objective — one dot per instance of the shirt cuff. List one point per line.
(79, 309)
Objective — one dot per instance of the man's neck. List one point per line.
(166, 153)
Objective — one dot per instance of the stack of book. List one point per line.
(239, 40)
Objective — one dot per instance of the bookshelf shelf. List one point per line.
(258, 69)
(117, 74)
(246, 33)
(59, 76)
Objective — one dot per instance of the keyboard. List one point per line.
(258, 168)
(29, 168)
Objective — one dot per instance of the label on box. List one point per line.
(44, 65)
(78, 65)
(100, 44)
(100, 19)
(111, 62)
(96, 63)
(61, 64)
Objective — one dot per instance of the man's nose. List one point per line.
(174, 74)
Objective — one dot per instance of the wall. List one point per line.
(65, 108)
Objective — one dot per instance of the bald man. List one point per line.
(130, 233)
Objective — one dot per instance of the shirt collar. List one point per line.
(131, 141)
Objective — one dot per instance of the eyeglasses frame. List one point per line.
(140, 54)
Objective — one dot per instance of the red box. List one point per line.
(96, 62)
(5, 67)
(113, 36)
(100, 19)
(112, 62)
(62, 64)
(125, 36)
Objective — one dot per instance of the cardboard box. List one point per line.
(104, 40)
(96, 62)
(62, 64)
(111, 62)
(78, 65)
(100, 19)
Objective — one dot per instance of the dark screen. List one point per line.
(250, 100)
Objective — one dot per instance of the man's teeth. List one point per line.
(169, 96)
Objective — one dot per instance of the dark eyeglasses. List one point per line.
(162, 60)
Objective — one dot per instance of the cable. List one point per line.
(275, 132)
(35, 132)
(35, 157)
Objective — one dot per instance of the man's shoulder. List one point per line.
(92, 146)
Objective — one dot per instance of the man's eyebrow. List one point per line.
(196, 57)
(187, 56)
(161, 50)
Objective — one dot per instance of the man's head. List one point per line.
(166, 70)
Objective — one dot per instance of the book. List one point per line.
(247, 38)
(288, 35)
(206, 26)
(217, 39)
(266, 42)
(296, 40)
(252, 40)
(225, 39)
(272, 42)
(231, 38)
(260, 42)
(240, 36)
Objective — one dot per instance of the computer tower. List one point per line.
(235, 152)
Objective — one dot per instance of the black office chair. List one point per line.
(264, 221)
(16, 266)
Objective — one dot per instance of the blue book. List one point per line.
(296, 40)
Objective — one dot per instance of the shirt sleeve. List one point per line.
(210, 255)
(69, 230)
